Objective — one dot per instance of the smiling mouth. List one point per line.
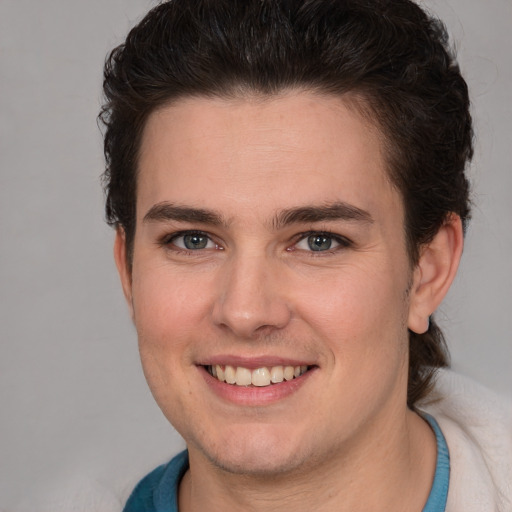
(259, 377)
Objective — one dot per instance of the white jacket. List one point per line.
(477, 425)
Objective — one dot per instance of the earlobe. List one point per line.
(120, 257)
(434, 273)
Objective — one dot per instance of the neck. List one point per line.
(389, 468)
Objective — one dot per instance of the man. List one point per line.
(287, 183)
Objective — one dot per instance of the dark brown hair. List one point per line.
(389, 53)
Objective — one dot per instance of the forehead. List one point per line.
(262, 154)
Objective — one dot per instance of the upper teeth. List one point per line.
(259, 377)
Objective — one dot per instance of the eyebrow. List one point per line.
(333, 211)
(167, 211)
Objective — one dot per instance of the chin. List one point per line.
(256, 466)
(255, 455)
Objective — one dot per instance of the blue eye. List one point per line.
(321, 242)
(192, 241)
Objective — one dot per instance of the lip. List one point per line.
(252, 363)
(252, 395)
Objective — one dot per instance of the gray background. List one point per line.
(73, 400)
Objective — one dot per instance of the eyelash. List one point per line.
(343, 242)
(169, 239)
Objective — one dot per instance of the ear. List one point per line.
(123, 267)
(434, 273)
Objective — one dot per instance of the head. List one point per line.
(386, 58)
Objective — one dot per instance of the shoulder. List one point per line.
(477, 425)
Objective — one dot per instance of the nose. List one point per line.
(251, 299)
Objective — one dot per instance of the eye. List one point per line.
(192, 241)
(321, 242)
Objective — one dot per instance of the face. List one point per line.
(270, 246)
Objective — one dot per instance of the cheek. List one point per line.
(170, 312)
(361, 312)
(164, 314)
(169, 304)
(357, 321)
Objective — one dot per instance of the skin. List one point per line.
(344, 439)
